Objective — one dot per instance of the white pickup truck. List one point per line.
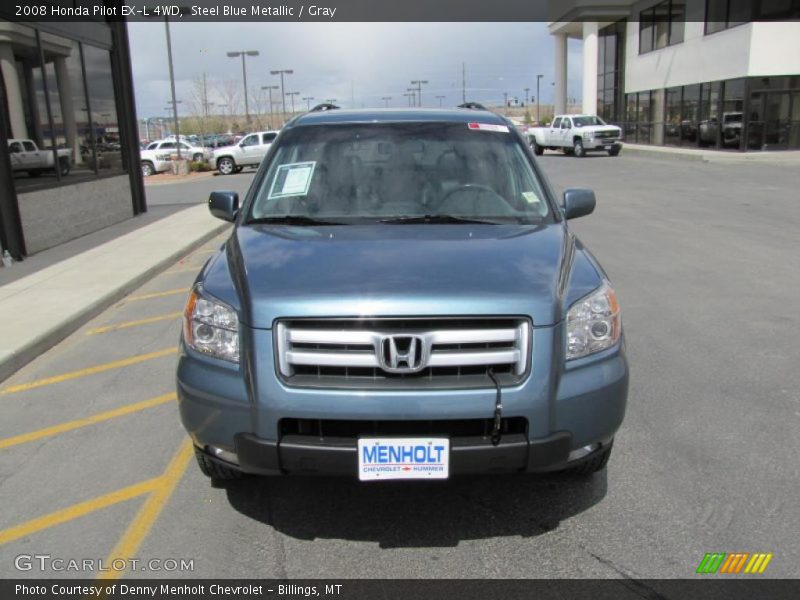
(26, 156)
(578, 134)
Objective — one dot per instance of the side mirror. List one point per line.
(224, 205)
(578, 202)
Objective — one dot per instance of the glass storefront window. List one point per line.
(689, 114)
(102, 104)
(672, 116)
(708, 128)
(732, 114)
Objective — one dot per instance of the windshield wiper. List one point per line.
(291, 220)
(436, 219)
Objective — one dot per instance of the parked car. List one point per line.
(578, 134)
(731, 130)
(26, 156)
(156, 158)
(247, 153)
(401, 296)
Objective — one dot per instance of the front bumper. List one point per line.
(308, 455)
(599, 144)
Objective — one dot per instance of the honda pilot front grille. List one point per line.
(402, 353)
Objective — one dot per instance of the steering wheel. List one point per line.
(478, 189)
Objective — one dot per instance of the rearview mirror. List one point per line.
(224, 205)
(578, 202)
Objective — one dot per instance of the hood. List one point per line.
(392, 270)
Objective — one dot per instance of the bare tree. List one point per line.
(230, 92)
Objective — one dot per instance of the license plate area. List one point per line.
(387, 458)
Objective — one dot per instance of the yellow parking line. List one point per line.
(78, 510)
(129, 324)
(157, 295)
(117, 364)
(138, 529)
(78, 423)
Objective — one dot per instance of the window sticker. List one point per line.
(530, 197)
(292, 179)
(488, 127)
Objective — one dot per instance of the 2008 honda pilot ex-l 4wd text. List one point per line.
(401, 298)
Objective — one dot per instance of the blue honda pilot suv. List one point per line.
(401, 298)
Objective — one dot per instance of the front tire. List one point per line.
(214, 470)
(578, 149)
(147, 169)
(226, 166)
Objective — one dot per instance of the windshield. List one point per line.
(587, 121)
(382, 172)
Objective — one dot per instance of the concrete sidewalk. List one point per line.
(41, 309)
(784, 157)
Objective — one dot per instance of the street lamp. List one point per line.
(330, 100)
(281, 72)
(538, 98)
(244, 53)
(526, 94)
(292, 95)
(409, 96)
(440, 98)
(269, 88)
(386, 100)
(308, 100)
(413, 96)
(419, 83)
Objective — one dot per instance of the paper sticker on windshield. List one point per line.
(293, 179)
(530, 197)
(488, 127)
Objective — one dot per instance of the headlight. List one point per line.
(588, 135)
(593, 323)
(211, 328)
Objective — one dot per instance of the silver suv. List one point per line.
(247, 153)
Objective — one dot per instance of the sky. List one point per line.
(356, 63)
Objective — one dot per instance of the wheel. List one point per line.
(593, 465)
(147, 168)
(64, 167)
(197, 157)
(213, 469)
(537, 149)
(226, 166)
(577, 148)
(614, 152)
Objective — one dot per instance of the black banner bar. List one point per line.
(734, 588)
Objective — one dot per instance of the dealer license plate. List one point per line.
(381, 459)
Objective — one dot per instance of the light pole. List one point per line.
(419, 83)
(292, 94)
(172, 83)
(413, 96)
(505, 102)
(440, 98)
(538, 98)
(269, 88)
(308, 100)
(330, 100)
(526, 94)
(281, 72)
(386, 100)
(244, 53)
(409, 96)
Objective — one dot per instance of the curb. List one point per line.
(33, 348)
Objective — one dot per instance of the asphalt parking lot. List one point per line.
(94, 464)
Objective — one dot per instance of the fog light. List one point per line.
(223, 454)
(581, 452)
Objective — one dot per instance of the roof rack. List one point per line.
(472, 106)
(323, 107)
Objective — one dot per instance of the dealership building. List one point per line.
(693, 73)
(66, 96)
